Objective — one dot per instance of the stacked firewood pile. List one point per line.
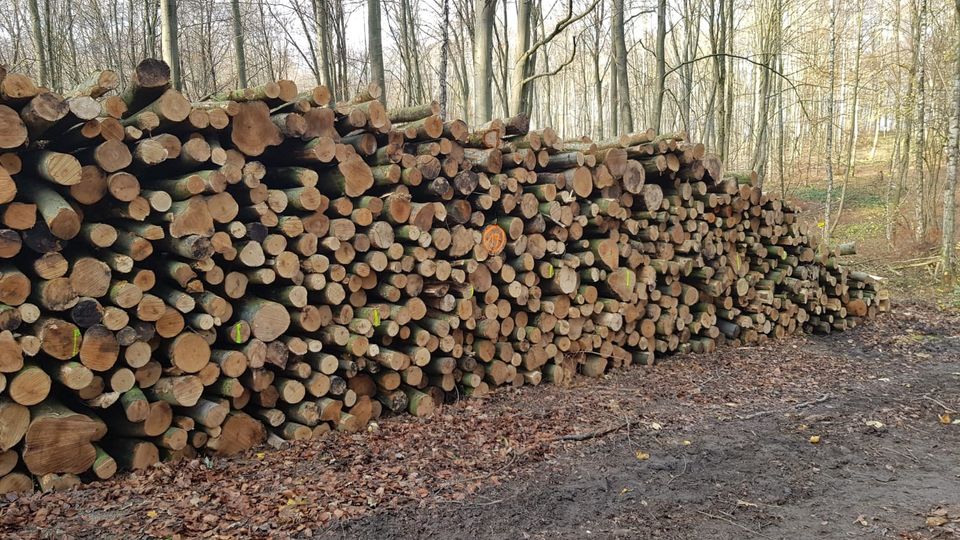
(265, 265)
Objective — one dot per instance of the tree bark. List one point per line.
(375, 47)
(625, 115)
(485, 11)
(170, 41)
(661, 63)
(829, 117)
(40, 48)
(241, 57)
(953, 168)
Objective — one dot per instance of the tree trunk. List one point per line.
(829, 117)
(852, 137)
(623, 82)
(520, 66)
(953, 168)
(485, 11)
(919, 182)
(444, 56)
(241, 57)
(661, 63)
(40, 48)
(375, 47)
(168, 37)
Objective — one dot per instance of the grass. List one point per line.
(859, 195)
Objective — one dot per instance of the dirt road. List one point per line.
(712, 446)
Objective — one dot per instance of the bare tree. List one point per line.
(829, 119)
(241, 57)
(485, 12)
(624, 122)
(852, 136)
(375, 47)
(661, 63)
(953, 167)
(169, 39)
(39, 46)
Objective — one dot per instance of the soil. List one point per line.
(700, 446)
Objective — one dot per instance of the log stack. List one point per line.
(264, 265)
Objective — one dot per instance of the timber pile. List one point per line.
(265, 265)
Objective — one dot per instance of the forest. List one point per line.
(477, 268)
(798, 90)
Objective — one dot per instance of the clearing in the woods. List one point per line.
(702, 446)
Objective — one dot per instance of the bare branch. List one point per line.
(573, 55)
(562, 25)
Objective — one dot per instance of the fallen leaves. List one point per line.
(642, 456)
(814, 439)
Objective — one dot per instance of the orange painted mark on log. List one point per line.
(494, 239)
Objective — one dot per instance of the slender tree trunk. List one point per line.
(597, 86)
(829, 118)
(614, 101)
(521, 64)
(326, 57)
(375, 47)
(168, 37)
(150, 27)
(920, 207)
(238, 44)
(444, 54)
(661, 63)
(485, 12)
(625, 115)
(39, 45)
(729, 86)
(953, 167)
(781, 143)
(852, 136)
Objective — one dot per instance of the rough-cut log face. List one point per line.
(60, 441)
(13, 132)
(252, 130)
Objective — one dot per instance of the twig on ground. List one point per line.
(734, 523)
(595, 434)
(798, 406)
(940, 403)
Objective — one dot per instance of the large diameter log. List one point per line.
(268, 320)
(13, 132)
(148, 80)
(14, 419)
(61, 219)
(56, 167)
(59, 440)
(96, 84)
(238, 433)
(252, 130)
(42, 112)
(183, 391)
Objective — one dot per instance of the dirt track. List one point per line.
(713, 446)
(731, 462)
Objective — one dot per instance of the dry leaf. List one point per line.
(945, 418)
(152, 514)
(936, 521)
(815, 439)
(874, 424)
(642, 456)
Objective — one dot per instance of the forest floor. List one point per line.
(700, 446)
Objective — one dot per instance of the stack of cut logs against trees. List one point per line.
(264, 265)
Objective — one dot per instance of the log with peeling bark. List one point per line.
(180, 278)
